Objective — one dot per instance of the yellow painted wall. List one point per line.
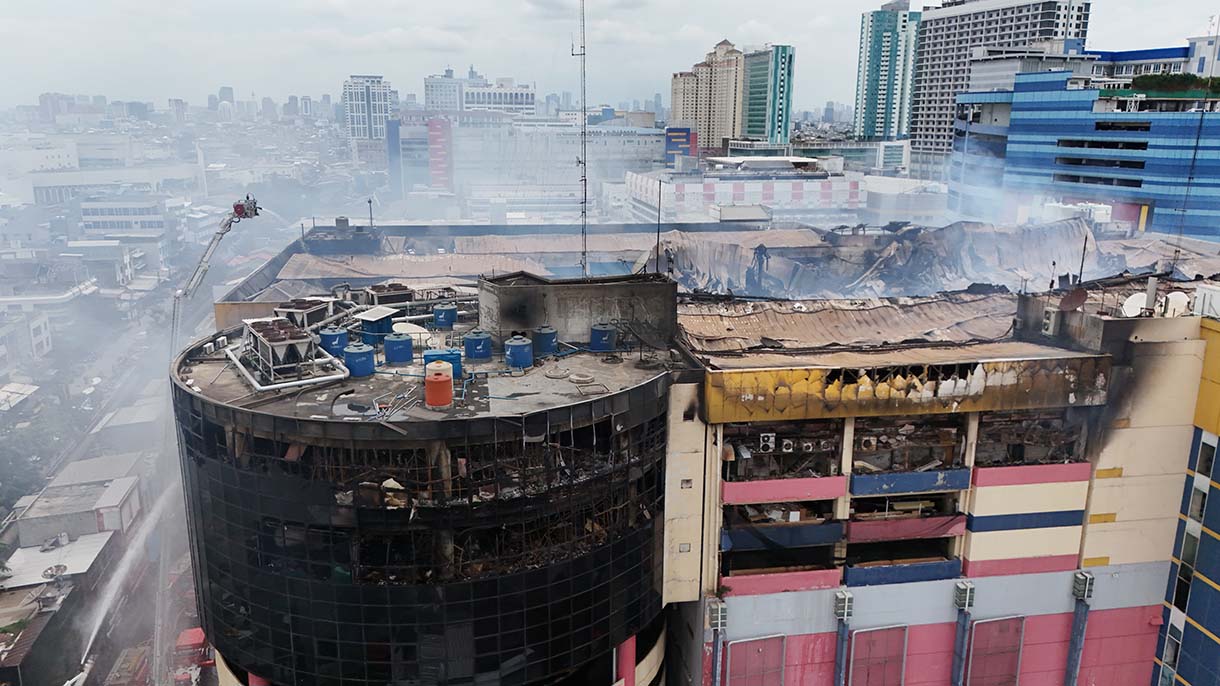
(1145, 448)
(1004, 545)
(684, 461)
(1002, 500)
(1207, 413)
(752, 395)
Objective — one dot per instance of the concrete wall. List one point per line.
(931, 602)
(572, 307)
(685, 490)
(32, 532)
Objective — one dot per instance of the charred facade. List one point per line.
(343, 534)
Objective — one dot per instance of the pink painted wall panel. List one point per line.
(783, 490)
(1119, 646)
(904, 529)
(1020, 565)
(810, 660)
(762, 584)
(1032, 474)
(1045, 651)
(930, 655)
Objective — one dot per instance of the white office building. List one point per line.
(948, 36)
(367, 102)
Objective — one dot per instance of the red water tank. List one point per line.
(438, 387)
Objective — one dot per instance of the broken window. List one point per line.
(779, 537)
(1034, 437)
(783, 450)
(908, 444)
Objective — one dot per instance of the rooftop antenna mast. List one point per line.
(584, 142)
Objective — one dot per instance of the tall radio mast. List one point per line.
(584, 143)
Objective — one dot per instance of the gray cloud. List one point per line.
(187, 48)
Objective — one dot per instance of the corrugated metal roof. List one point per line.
(97, 469)
(406, 266)
(890, 357)
(813, 324)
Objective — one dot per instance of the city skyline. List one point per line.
(635, 45)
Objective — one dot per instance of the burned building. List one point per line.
(373, 507)
(612, 482)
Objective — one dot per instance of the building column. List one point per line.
(959, 647)
(1082, 589)
(625, 662)
(843, 503)
(842, 644)
(964, 504)
(1080, 622)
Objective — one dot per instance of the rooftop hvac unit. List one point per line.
(209, 348)
(787, 445)
(1051, 317)
(222, 342)
(1207, 301)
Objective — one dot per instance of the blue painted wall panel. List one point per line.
(781, 536)
(1026, 520)
(902, 574)
(910, 482)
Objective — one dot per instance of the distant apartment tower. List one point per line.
(226, 94)
(709, 96)
(306, 106)
(948, 35)
(767, 99)
(367, 100)
(886, 72)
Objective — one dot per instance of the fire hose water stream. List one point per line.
(134, 551)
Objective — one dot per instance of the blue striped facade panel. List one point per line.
(892, 483)
(1196, 439)
(1199, 661)
(1207, 562)
(780, 536)
(1211, 514)
(902, 574)
(1204, 606)
(1026, 520)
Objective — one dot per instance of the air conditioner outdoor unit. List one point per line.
(1051, 318)
(766, 443)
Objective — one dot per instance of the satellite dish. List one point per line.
(1073, 300)
(1178, 304)
(1133, 306)
(54, 571)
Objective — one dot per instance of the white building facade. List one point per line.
(367, 103)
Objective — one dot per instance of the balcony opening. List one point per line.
(779, 561)
(888, 553)
(1025, 438)
(885, 508)
(783, 450)
(908, 444)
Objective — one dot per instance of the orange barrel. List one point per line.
(438, 385)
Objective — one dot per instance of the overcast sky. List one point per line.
(154, 50)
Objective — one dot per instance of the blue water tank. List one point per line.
(358, 358)
(451, 355)
(602, 337)
(334, 340)
(519, 352)
(399, 349)
(373, 332)
(444, 316)
(546, 341)
(478, 345)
